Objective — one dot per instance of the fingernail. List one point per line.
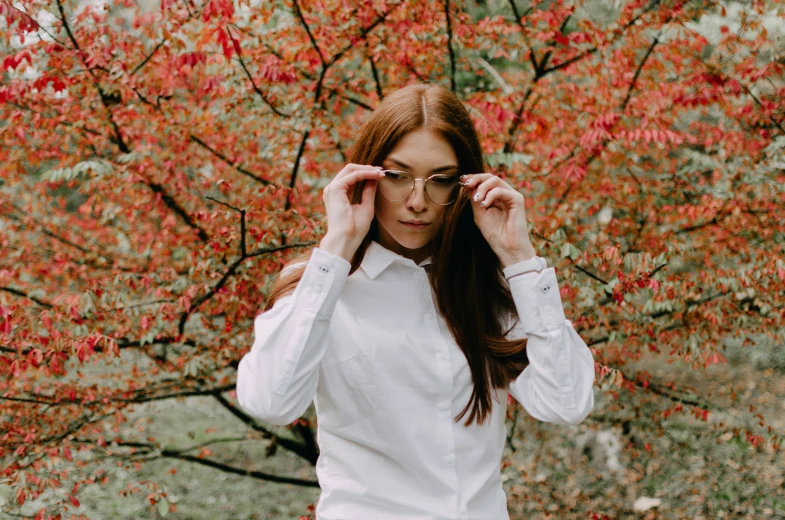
(476, 197)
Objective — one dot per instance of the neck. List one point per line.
(417, 255)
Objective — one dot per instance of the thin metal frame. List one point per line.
(415, 185)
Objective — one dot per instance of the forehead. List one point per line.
(423, 150)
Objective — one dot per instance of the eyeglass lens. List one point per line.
(397, 185)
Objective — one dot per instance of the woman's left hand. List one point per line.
(500, 214)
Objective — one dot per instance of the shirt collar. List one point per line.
(378, 258)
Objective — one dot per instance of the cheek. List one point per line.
(381, 208)
(439, 214)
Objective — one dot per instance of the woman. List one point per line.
(391, 326)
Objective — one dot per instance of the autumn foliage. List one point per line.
(161, 163)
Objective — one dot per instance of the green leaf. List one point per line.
(570, 251)
(507, 159)
(126, 158)
(557, 236)
(163, 506)
(99, 168)
(148, 338)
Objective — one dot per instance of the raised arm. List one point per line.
(277, 379)
(557, 386)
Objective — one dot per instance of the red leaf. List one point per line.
(561, 39)
(235, 43)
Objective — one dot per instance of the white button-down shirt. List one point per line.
(387, 379)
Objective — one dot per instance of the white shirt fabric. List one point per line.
(387, 379)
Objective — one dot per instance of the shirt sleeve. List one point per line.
(277, 378)
(557, 385)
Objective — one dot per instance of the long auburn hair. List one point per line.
(477, 308)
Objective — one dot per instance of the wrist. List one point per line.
(526, 252)
(337, 246)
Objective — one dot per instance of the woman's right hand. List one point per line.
(347, 223)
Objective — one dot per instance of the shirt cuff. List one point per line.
(537, 299)
(322, 282)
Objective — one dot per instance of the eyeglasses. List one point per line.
(397, 185)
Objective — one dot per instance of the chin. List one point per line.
(413, 242)
(410, 239)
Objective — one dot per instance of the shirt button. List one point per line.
(324, 269)
(450, 458)
(442, 356)
(444, 405)
(549, 308)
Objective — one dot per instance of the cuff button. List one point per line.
(324, 269)
(545, 289)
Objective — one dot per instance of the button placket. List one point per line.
(444, 376)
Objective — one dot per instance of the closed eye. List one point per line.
(445, 180)
(395, 174)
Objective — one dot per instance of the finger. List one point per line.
(497, 194)
(359, 176)
(369, 192)
(485, 186)
(471, 180)
(352, 168)
(344, 183)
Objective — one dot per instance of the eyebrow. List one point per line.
(435, 170)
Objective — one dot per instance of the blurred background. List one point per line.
(162, 160)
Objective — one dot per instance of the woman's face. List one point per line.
(421, 153)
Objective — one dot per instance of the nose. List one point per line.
(418, 200)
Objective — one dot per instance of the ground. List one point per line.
(599, 466)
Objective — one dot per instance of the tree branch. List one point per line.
(306, 451)
(225, 159)
(449, 45)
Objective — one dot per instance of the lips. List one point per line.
(412, 225)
